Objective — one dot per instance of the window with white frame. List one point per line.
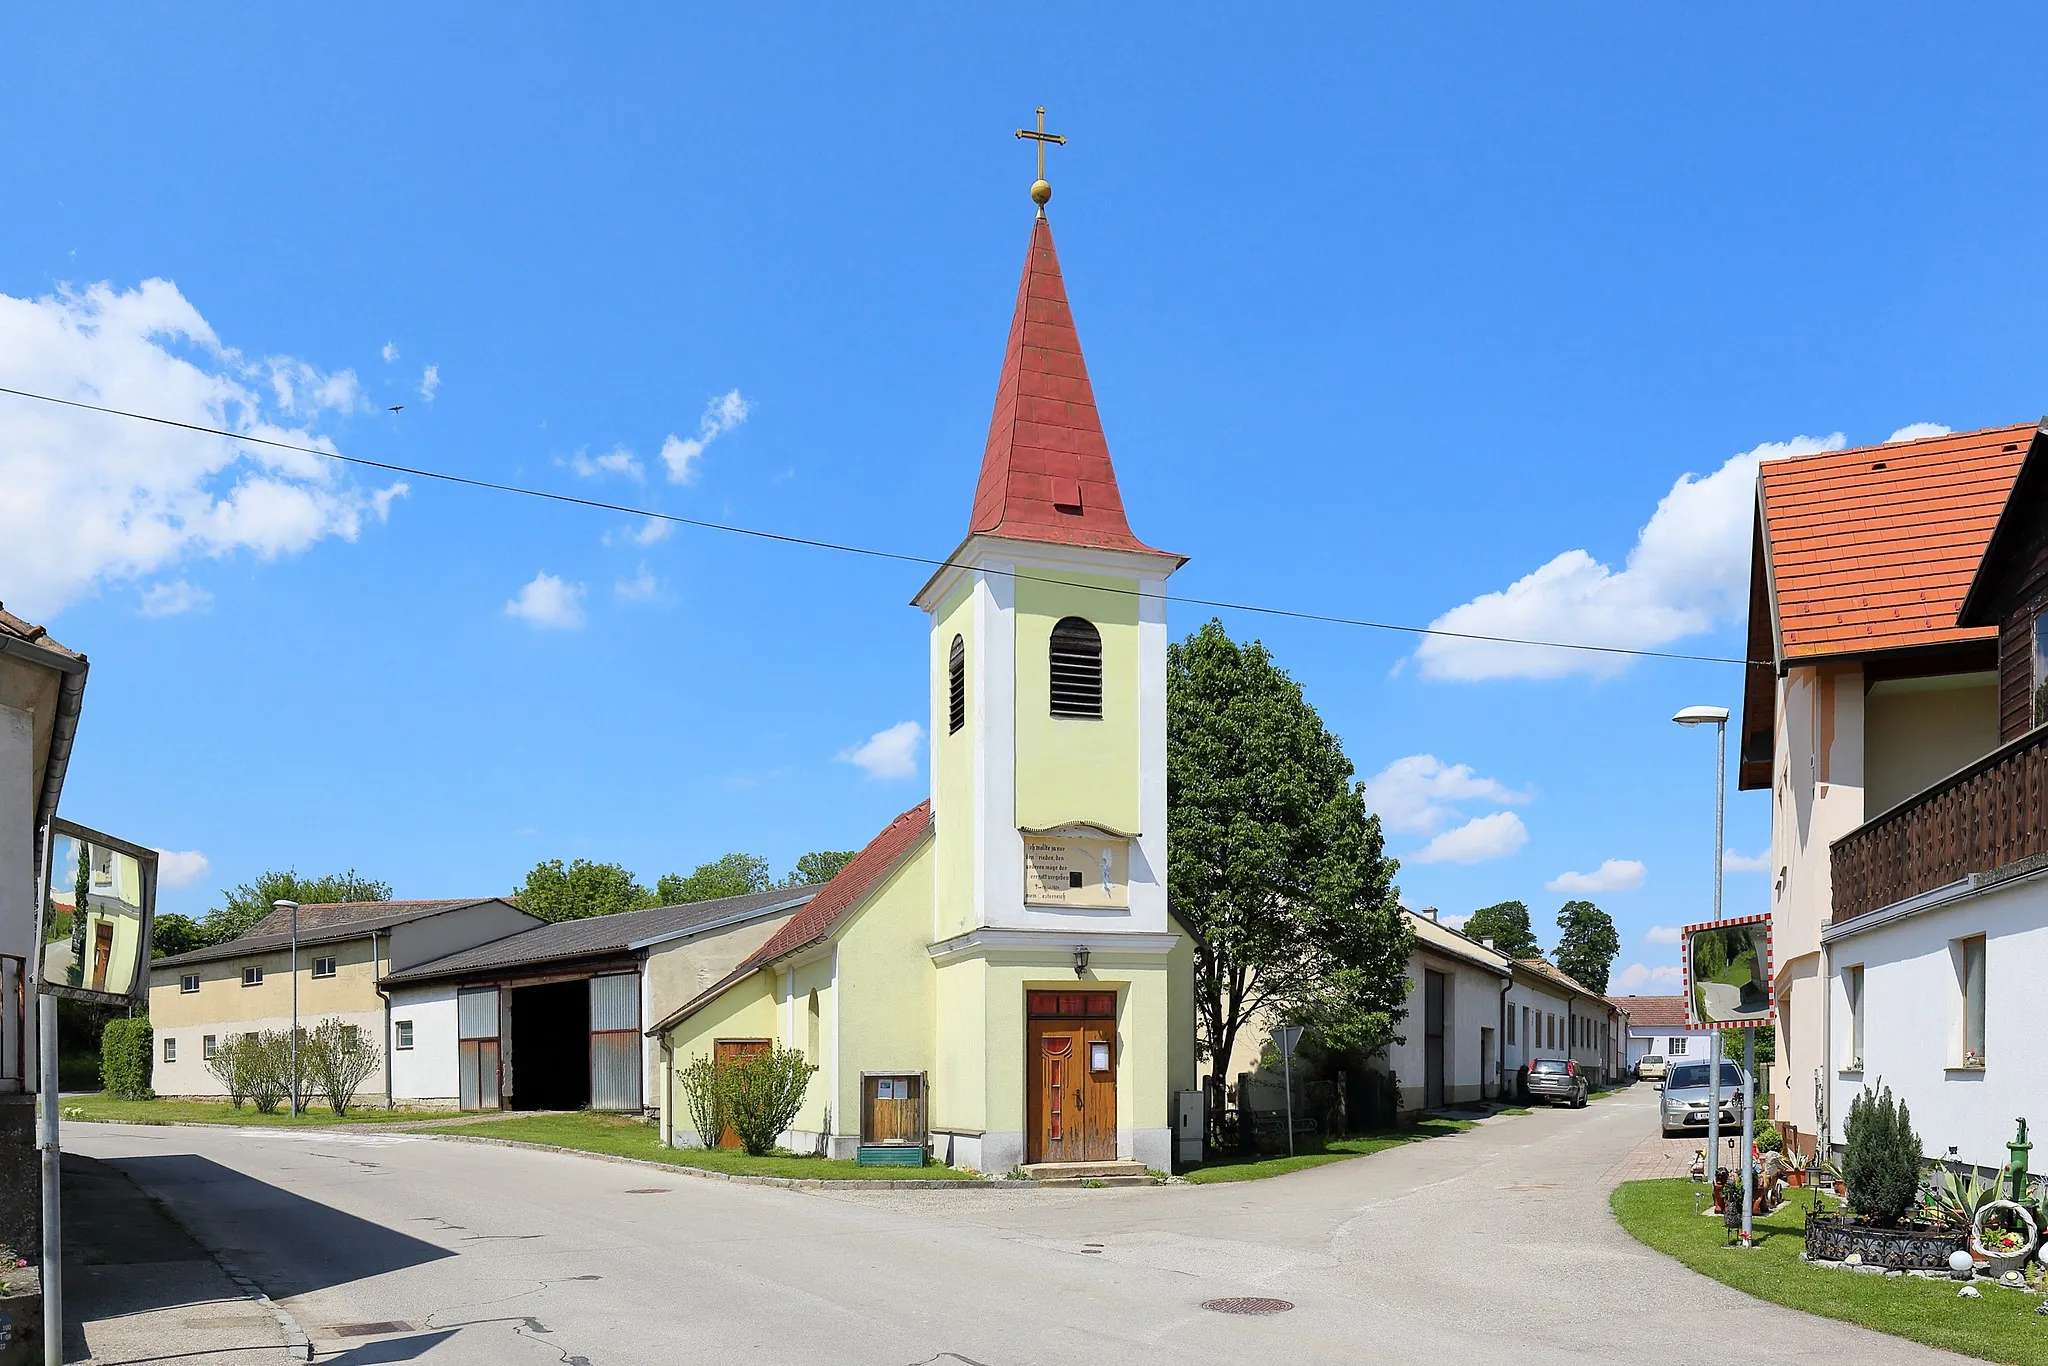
(1852, 991)
(323, 967)
(208, 1046)
(188, 983)
(170, 1049)
(252, 977)
(1674, 1047)
(403, 1029)
(1969, 955)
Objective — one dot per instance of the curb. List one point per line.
(797, 1183)
(295, 1340)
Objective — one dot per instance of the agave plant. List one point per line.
(1953, 1197)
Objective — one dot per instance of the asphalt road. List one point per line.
(1494, 1246)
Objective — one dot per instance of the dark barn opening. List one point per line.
(551, 1046)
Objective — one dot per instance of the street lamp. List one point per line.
(293, 907)
(1717, 717)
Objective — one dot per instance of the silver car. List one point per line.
(1686, 1099)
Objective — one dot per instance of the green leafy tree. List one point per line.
(1587, 948)
(80, 885)
(818, 867)
(580, 890)
(171, 933)
(1275, 868)
(1506, 923)
(1882, 1163)
(251, 901)
(732, 875)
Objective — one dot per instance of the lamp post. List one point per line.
(293, 907)
(1717, 717)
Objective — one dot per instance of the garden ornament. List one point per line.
(1961, 1263)
(1969, 1292)
(2010, 1240)
(2019, 1148)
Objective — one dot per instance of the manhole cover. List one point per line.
(649, 1190)
(1252, 1305)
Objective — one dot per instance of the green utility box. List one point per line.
(889, 1155)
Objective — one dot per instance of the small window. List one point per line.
(1970, 977)
(323, 967)
(189, 983)
(1852, 988)
(252, 977)
(208, 1046)
(956, 686)
(1675, 1049)
(1511, 1026)
(2041, 668)
(404, 1029)
(170, 1049)
(1076, 656)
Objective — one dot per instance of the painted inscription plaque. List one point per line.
(1077, 871)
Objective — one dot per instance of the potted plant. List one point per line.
(1881, 1174)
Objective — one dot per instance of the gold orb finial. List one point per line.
(1040, 192)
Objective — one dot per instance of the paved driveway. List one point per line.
(1494, 1246)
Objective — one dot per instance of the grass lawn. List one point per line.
(107, 1110)
(2002, 1326)
(1321, 1154)
(620, 1137)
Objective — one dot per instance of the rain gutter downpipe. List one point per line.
(377, 981)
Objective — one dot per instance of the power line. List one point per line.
(870, 552)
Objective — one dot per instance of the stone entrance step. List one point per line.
(1089, 1173)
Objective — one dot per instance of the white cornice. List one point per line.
(1056, 559)
(1055, 944)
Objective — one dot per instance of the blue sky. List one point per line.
(1387, 310)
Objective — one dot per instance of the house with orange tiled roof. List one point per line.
(1890, 710)
(996, 978)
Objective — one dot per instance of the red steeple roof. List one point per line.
(1046, 475)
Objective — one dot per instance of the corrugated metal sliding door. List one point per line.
(615, 1042)
(476, 1048)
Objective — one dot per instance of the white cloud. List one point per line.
(1613, 875)
(1732, 862)
(642, 533)
(550, 603)
(890, 753)
(390, 352)
(1688, 570)
(93, 500)
(721, 415)
(1918, 431)
(181, 868)
(430, 382)
(642, 587)
(618, 460)
(1636, 976)
(1661, 934)
(174, 599)
(1454, 922)
(1420, 794)
(1476, 841)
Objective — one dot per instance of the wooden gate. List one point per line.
(1070, 1059)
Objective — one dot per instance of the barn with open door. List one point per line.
(553, 1018)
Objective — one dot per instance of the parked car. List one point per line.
(1651, 1067)
(1686, 1099)
(1553, 1079)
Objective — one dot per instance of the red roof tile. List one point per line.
(839, 898)
(1653, 1012)
(1046, 474)
(1872, 549)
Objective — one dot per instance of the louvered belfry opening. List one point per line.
(956, 686)
(1076, 654)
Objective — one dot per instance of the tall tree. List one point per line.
(1275, 868)
(732, 875)
(1586, 949)
(817, 867)
(171, 933)
(1506, 923)
(80, 885)
(251, 901)
(582, 889)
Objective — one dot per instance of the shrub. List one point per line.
(230, 1064)
(704, 1096)
(336, 1059)
(763, 1094)
(125, 1050)
(270, 1068)
(1882, 1161)
(1769, 1140)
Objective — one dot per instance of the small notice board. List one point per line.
(1081, 868)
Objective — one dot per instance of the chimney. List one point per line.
(1486, 943)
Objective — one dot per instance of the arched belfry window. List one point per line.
(956, 686)
(1076, 656)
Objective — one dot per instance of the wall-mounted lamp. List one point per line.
(1081, 961)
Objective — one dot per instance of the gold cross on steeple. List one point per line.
(1040, 190)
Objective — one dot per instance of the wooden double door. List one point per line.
(1070, 1077)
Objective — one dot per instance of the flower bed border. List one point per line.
(1833, 1239)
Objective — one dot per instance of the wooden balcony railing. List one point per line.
(1993, 813)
